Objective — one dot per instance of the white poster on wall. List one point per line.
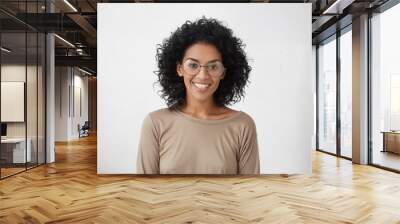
(12, 101)
(278, 97)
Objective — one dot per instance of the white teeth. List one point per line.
(200, 85)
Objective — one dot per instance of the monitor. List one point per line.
(3, 129)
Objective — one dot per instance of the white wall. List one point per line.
(279, 98)
(68, 81)
(62, 80)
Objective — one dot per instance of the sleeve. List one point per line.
(148, 158)
(249, 162)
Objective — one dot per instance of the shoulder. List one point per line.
(247, 130)
(161, 114)
(246, 125)
(158, 120)
(246, 119)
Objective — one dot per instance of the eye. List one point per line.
(192, 65)
(213, 67)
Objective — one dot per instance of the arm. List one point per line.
(148, 158)
(249, 162)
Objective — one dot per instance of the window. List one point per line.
(327, 96)
(346, 94)
(385, 88)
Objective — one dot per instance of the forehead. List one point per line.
(202, 52)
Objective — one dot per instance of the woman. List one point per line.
(202, 69)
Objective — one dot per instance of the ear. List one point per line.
(179, 70)
(223, 75)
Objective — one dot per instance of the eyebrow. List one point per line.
(215, 60)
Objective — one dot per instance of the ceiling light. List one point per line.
(70, 5)
(79, 51)
(5, 50)
(338, 6)
(331, 7)
(64, 40)
(84, 71)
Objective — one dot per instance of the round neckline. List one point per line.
(208, 121)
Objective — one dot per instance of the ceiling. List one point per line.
(76, 22)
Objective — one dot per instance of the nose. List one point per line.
(203, 73)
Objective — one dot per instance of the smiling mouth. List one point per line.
(201, 86)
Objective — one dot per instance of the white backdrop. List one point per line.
(279, 97)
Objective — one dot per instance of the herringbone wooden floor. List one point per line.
(70, 191)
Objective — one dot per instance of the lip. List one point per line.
(200, 89)
(207, 83)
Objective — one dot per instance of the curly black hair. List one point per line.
(210, 31)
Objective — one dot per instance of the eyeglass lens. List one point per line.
(214, 68)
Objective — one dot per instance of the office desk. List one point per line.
(13, 150)
(391, 141)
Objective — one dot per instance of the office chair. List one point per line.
(84, 130)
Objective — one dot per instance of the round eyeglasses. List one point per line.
(192, 67)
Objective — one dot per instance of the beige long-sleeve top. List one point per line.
(173, 142)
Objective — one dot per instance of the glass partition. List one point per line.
(22, 67)
(13, 109)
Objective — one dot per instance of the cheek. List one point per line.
(187, 82)
(216, 84)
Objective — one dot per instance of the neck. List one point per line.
(201, 109)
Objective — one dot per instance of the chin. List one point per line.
(201, 98)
